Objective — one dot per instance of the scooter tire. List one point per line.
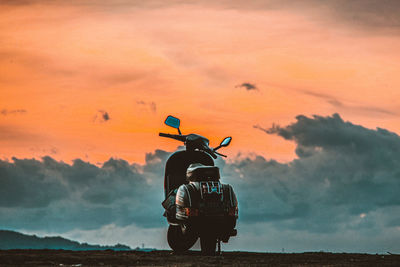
(178, 241)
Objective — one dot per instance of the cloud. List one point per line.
(373, 15)
(20, 134)
(6, 112)
(151, 105)
(35, 62)
(105, 116)
(367, 13)
(102, 116)
(247, 86)
(344, 182)
(102, 5)
(122, 77)
(50, 150)
(343, 171)
(335, 102)
(60, 197)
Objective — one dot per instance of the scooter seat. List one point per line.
(197, 172)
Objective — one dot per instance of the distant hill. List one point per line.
(15, 240)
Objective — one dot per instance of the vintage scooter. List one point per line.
(197, 204)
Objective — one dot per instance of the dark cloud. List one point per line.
(105, 116)
(344, 181)
(247, 86)
(54, 195)
(102, 116)
(23, 184)
(344, 172)
(6, 112)
(151, 105)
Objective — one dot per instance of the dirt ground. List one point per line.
(165, 258)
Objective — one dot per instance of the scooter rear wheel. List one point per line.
(178, 241)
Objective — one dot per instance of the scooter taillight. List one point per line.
(191, 212)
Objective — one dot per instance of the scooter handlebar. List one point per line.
(164, 135)
(182, 138)
(174, 136)
(219, 154)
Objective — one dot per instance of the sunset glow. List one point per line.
(61, 64)
(307, 89)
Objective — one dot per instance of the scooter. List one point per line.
(197, 204)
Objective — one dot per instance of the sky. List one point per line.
(308, 90)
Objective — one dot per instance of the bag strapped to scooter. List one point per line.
(198, 172)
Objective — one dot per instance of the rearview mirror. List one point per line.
(226, 141)
(173, 122)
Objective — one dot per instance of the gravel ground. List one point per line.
(192, 258)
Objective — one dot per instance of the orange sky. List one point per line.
(62, 65)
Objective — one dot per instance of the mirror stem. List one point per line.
(179, 131)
